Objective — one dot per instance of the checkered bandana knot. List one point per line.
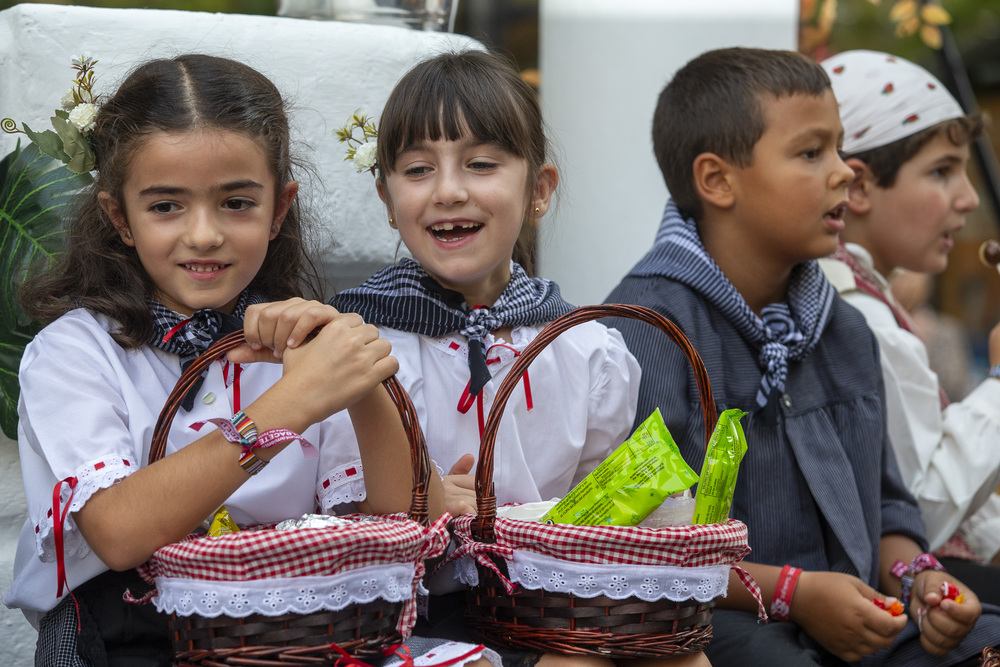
(189, 337)
(403, 296)
(785, 331)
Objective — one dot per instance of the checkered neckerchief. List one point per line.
(403, 296)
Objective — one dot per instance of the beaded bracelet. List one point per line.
(781, 603)
(907, 574)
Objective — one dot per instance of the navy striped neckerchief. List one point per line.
(784, 331)
(188, 337)
(403, 296)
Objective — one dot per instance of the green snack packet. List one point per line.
(632, 482)
(718, 473)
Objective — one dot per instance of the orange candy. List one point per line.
(896, 608)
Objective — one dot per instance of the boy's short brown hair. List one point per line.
(886, 161)
(713, 105)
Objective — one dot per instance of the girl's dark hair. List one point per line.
(886, 161)
(474, 92)
(188, 93)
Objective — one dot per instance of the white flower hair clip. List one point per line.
(73, 122)
(364, 151)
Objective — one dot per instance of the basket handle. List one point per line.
(486, 502)
(407, 413)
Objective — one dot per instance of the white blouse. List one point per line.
(88, 408)
(949, 459)
(583, 389)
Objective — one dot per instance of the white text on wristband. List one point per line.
(781, 603)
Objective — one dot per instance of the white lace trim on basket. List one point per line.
(586, 580)
(345, 484)
(274, 597)
(90, 478)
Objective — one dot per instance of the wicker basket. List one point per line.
(360, 630)
(514, 615)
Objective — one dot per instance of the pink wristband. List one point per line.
(781, 603)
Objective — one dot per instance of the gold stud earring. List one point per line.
(536, 209)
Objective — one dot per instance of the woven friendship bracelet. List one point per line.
(246, 428)
(241, 430)
(781, 603)
(907, 574)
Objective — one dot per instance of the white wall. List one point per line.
(603, 64)
(326, 69)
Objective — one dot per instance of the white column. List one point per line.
(603, 64)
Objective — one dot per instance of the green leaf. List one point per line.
(35, 196)
(48, 141)
(12, 344)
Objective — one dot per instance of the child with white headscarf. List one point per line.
(908, 141)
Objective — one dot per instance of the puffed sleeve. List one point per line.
(73, 424)
(341, 477)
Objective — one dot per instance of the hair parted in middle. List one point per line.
(713, 104)
(188, 93)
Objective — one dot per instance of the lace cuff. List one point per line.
(90, 478)
(586, 580)
(289, 595)
(344, 484)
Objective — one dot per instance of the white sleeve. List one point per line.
(340, 478)
(73, 424)
(950, 461)
(613, 397)
(982, 530)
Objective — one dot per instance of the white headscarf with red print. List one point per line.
(884, 98)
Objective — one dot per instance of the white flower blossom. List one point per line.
(84, 116)
(365, 156)
(82, 60)
(68, 102)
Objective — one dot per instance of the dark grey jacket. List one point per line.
(819, 484)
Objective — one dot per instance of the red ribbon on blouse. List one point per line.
(467, 399)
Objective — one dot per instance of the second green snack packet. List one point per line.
(632, 482)
(718, 473)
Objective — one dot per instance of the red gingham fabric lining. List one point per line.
(679, 546)
(267, 553)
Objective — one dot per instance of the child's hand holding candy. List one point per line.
(836, 610)
(944, 609)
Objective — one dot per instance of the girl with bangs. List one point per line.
(462, 168)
